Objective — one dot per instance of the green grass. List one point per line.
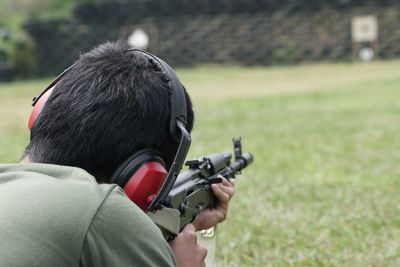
(324, 189)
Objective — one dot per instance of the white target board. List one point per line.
(364, 29)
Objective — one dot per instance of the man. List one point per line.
(56, 206)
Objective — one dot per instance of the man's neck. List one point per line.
(25, 159)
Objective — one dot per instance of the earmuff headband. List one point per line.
(177, 99)
(51, 85)
(177, 129)
(176, 167)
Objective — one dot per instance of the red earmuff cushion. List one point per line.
(141, 176)
(38, 107)
(145, 183)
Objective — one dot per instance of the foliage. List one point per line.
(14, 12)
(22, 57)
(18, 48)
(323, 190)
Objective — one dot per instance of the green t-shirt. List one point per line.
(59, 216)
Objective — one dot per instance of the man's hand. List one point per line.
(186, 250)
(210, 217)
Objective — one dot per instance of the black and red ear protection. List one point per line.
(39, 101)
(143, 175)
(38, 107)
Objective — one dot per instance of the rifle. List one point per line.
(192, 193)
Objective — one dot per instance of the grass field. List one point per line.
(324, 189)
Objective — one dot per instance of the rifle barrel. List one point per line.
(238, 165)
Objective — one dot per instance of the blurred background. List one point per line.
(313, 88)
(42, 37)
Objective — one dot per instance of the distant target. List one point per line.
(366, 54)
(139, 39)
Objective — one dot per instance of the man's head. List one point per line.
(112, 103)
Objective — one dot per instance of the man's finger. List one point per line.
(228, 190)
(227, 182)
(190, 228)
(221, 195)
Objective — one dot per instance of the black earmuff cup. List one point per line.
(125, 171)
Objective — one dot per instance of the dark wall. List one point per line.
(252, 32)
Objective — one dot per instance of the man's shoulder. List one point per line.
(56, 208)
(53, 188)
(47, 208)
(124, 235)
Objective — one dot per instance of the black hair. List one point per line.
(112, 103)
